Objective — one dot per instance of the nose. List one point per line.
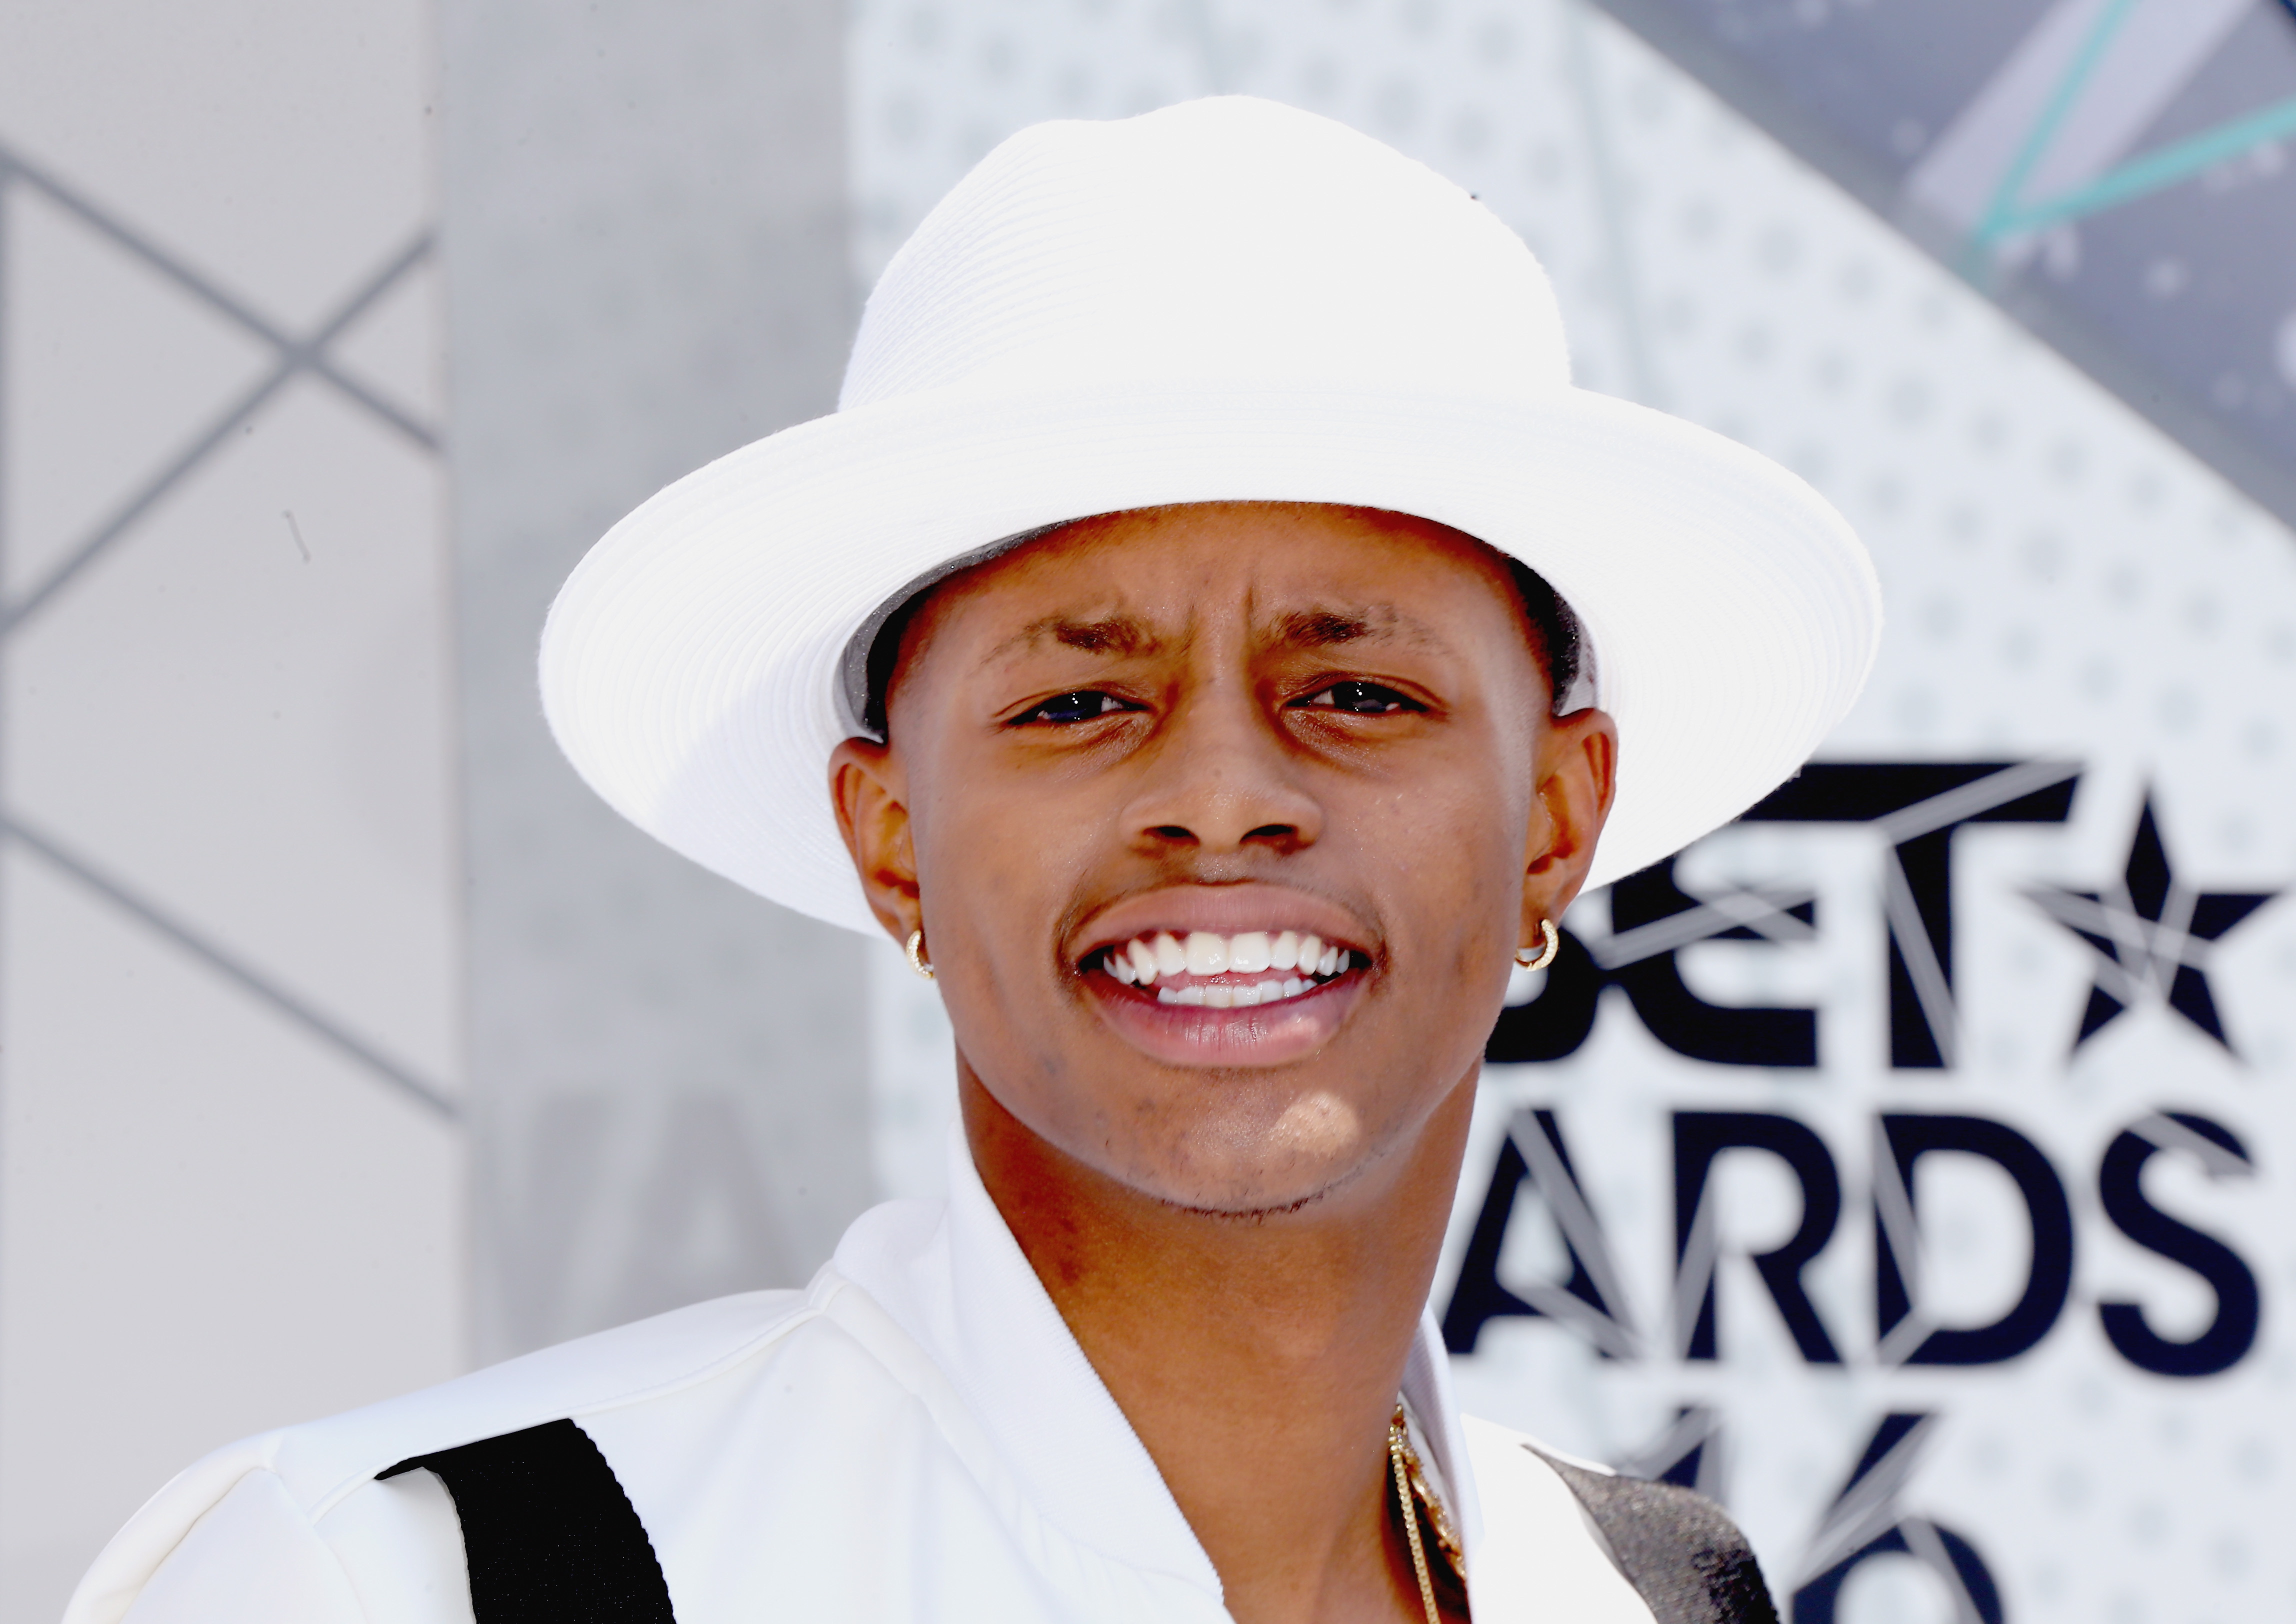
(1222, 779)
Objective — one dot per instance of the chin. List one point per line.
(1316, 1144)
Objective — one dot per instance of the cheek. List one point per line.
(1457, 840)
(1455, 844)
(986, 862)
(998, 867)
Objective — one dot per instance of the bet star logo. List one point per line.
(2152, 938)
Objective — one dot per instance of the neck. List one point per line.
(1258, 1357)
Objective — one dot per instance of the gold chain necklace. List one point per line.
(1412, 1492)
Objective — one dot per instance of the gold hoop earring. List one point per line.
(1546, 954)
(917, 960)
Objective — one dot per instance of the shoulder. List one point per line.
(1682, 1558)
(261, 1506)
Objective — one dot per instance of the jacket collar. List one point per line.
(952, 1276)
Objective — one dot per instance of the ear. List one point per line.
(1577, 778)
(870, 790)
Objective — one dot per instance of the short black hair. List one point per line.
(1556, 628)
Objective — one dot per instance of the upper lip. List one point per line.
(1225, 909)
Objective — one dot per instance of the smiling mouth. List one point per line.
(1246, 971)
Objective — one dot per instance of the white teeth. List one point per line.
(1248, 996)
(1141, 962)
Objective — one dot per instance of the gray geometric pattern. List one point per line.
(2113, 172)
(293, 357)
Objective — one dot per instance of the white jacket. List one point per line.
(916, 1436)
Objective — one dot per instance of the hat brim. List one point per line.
(690, 668)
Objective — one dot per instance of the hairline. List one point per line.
(880, 647)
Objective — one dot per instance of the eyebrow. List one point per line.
(1333, 628)
(1116, 635)
(1125, 636)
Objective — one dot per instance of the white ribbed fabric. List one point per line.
(915, 1438)
(1231, 238)
(1224, 300)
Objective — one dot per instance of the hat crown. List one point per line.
(1232, 239)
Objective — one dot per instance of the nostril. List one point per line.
(1275, 831)
(1172, 832)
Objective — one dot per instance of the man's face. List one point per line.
(1222, 824)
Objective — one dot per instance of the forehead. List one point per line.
(1297, 572)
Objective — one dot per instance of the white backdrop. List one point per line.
(230, 1157)
(2084, 621)
(345, 1038)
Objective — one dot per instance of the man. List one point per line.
(1215, 639)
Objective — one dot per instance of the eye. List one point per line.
(1358, 699)
(1063, 708)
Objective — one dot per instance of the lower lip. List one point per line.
(1195, 1035)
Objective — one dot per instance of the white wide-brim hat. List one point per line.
(1224, 300)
